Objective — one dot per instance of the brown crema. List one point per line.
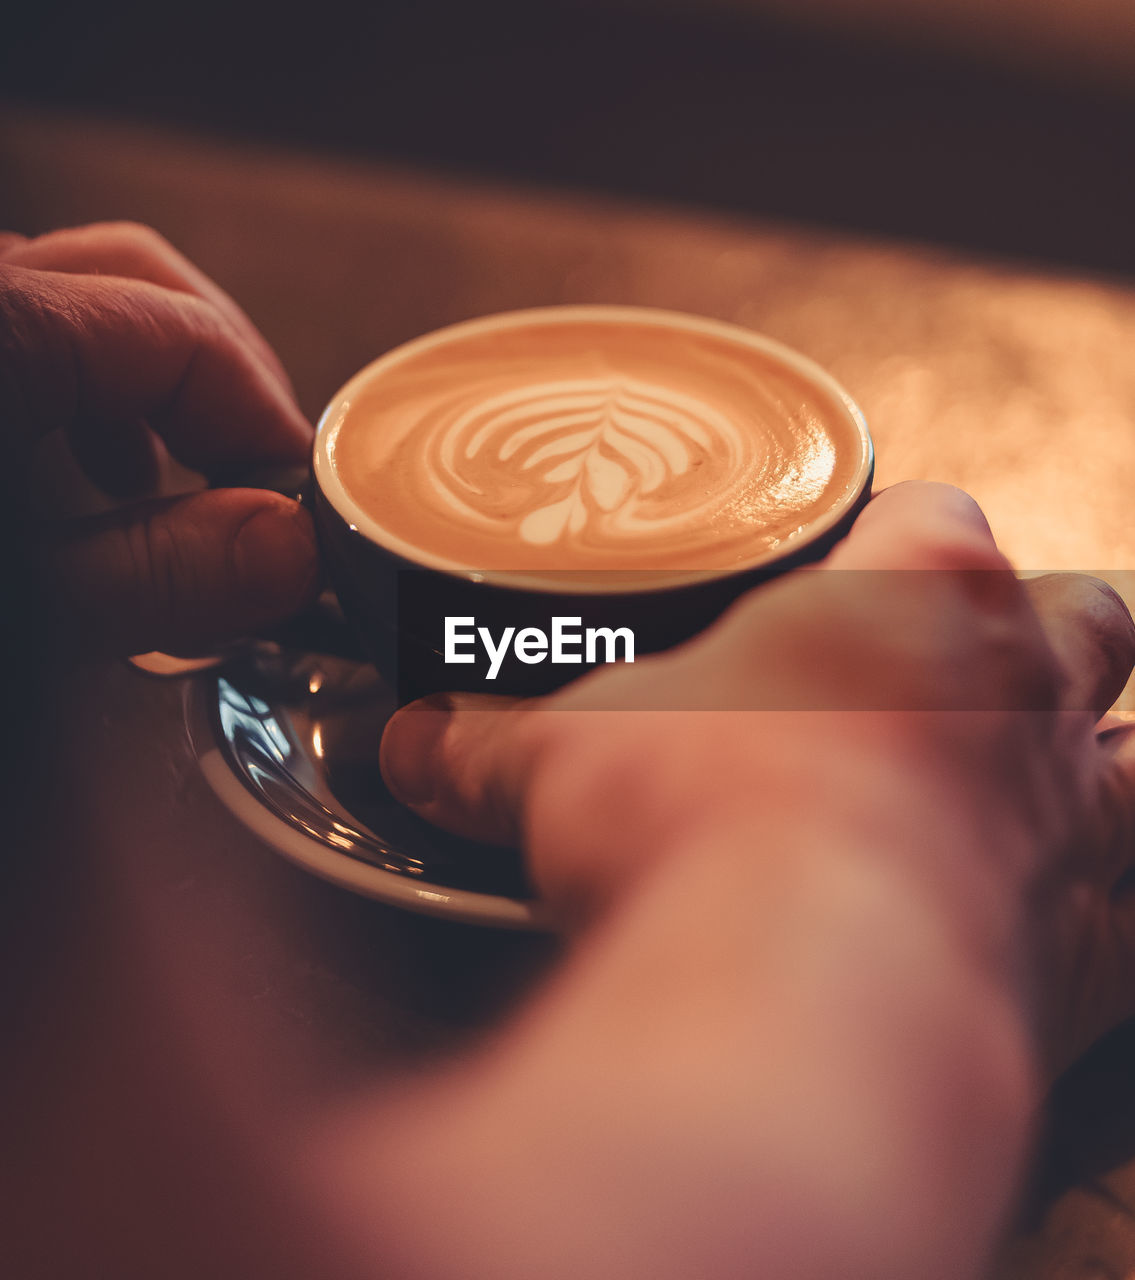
(621, 444)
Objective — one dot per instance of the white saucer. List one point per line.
(289, 743)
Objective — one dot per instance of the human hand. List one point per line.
(111, 337)
(837, 908)
(914, 686)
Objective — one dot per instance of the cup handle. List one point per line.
(320, 628)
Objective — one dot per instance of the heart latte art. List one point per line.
(585, 444)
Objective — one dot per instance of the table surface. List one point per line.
(1017, 386)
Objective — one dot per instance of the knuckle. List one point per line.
(990, 646)
(136, 236)
(166, 588)
(937, 504)
(963, 550)
(39, 381)
(143, 554)
(204, 318)
(10, 241)
(1015, 668)
(123, 248)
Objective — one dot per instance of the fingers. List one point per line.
(86, 353)
(919, 525)
(138, 252)
(182, 574)
(110, 336)
(933, 526)
(462, 761)
(1092, 634)
(463, 764)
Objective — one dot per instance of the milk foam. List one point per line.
(595, 446)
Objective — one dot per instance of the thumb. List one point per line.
(181, 574)
(463, 762)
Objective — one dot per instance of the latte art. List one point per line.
(589, 455)
(570, 445)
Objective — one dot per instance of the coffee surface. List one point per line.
(594, 445)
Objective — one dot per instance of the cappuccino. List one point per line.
(595, 441)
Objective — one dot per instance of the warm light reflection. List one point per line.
(1022, 396)
(1019, 389)
(317, 741)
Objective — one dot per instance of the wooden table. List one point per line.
(1018, 387)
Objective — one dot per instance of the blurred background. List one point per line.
(1005, 128)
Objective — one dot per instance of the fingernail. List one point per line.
(275, 556)
(411, 749)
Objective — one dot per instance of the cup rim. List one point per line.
(335, 491)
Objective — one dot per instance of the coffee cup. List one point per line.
(506, 502)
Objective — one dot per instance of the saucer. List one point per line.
(288, 741)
